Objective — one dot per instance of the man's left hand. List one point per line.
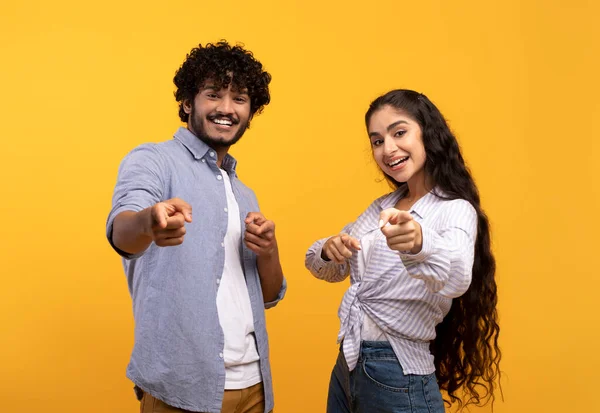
(260, 234)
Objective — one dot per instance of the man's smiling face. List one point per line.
(219, 117)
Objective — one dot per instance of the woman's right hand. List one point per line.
(339, 248)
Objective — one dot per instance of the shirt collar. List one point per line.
(422, 207)
(200, 150)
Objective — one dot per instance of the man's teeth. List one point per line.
(222, 122)
(398, 161)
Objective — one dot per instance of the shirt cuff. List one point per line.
(426, 249)
(280, 296)
(318, 262)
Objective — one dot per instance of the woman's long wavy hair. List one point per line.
(466, 351)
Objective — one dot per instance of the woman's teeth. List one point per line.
(398, 161)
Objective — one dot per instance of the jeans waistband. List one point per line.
(376, 349)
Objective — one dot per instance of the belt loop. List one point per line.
(360, 351)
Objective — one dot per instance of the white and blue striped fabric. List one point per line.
(406, 295)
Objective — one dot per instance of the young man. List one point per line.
(200, 283)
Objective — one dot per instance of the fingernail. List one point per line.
(381, 223)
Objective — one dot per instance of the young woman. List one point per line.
(420, 313)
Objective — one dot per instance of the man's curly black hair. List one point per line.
(217, 62)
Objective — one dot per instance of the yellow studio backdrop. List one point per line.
(83, 83)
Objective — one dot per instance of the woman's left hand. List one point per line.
(402, 232)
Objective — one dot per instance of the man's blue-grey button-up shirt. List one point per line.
(178, 351)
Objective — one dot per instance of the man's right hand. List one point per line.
(167, 222)
(339, 248)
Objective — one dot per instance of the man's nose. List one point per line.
(225, 105)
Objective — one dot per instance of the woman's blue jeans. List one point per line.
(378, 385)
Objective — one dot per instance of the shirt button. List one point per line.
(222, 244)
(203, 160)
(225, 209)
(212, 154)
(219, 177)
(220, 355)
(218, 281)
